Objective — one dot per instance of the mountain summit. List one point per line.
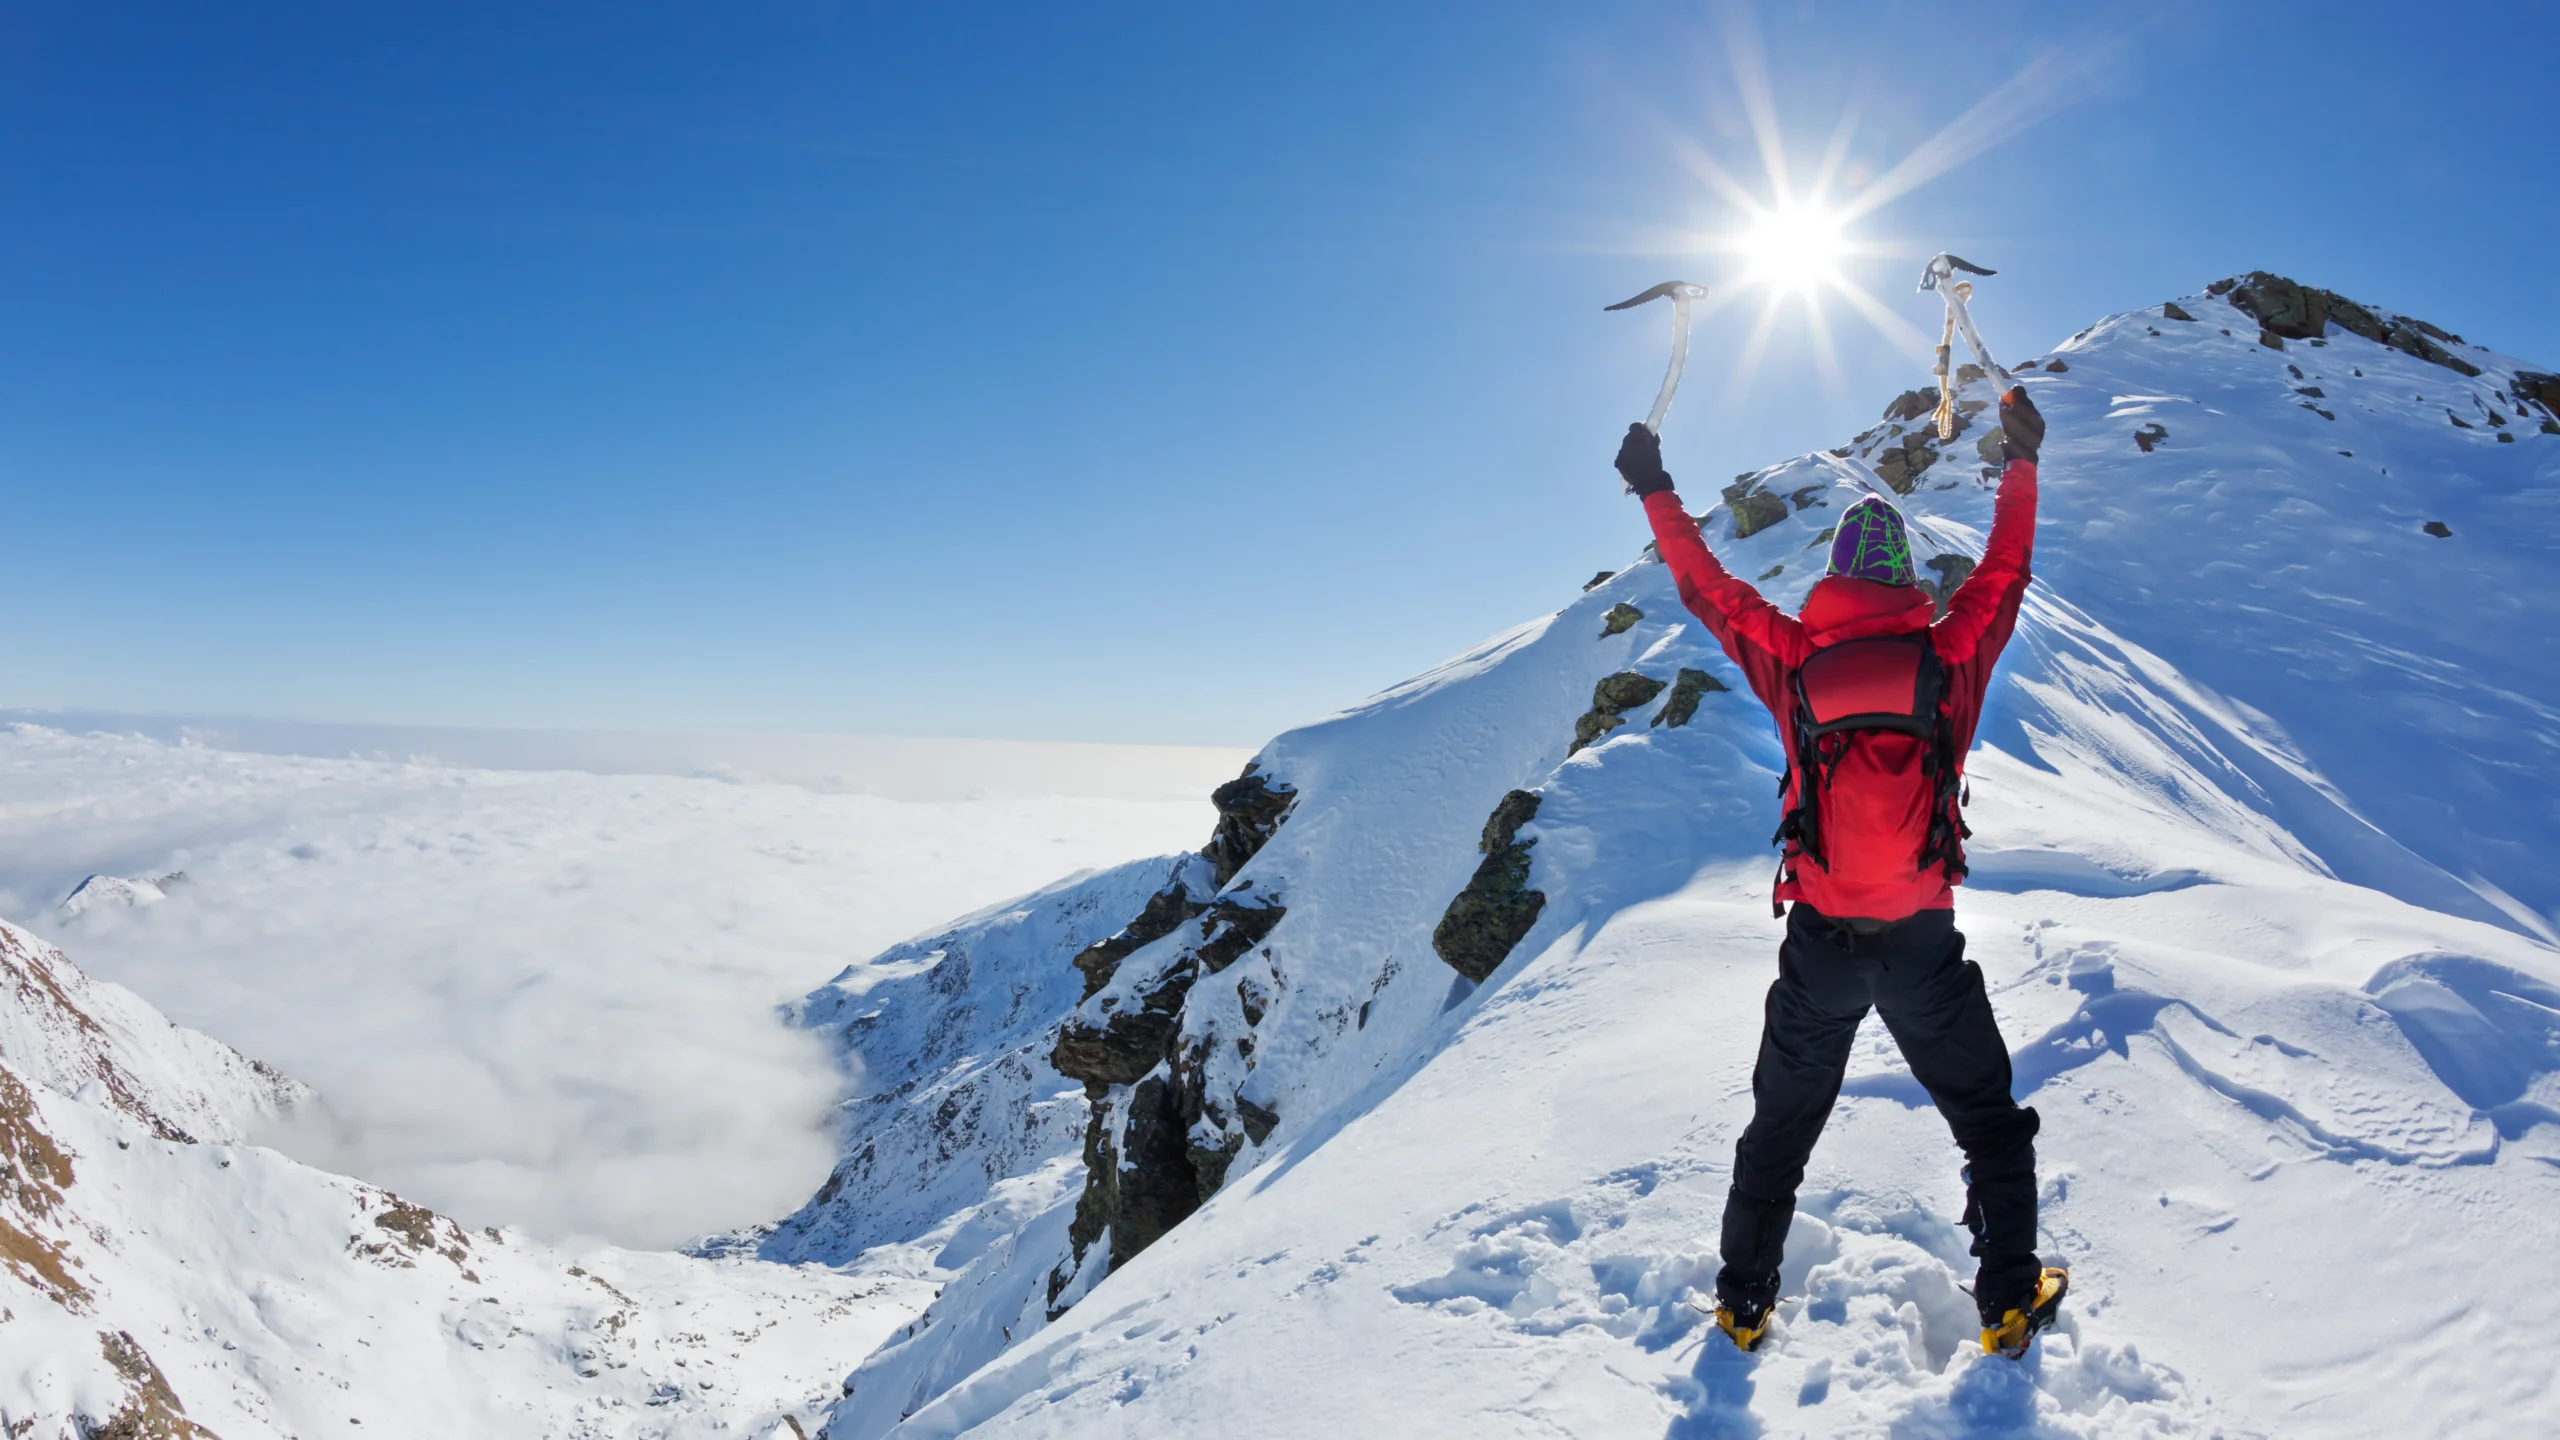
(1411, 1098)
(1404, 1106)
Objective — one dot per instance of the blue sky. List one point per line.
(1115, 372)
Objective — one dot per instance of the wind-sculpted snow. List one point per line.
(2265, 809)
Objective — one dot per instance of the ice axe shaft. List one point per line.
(1939, 276)
(1680, 293)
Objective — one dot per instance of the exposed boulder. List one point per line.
(1620, 618)
(1686, 690)
(2174, 311)
(1124, 1042)
(1596, 581)
(2282, 307)
(1259, 1121)
(2534, 387)
(1901, 466)
(1250, 808)
(1610, 700)
(1754, 509)
(1912, 404)
(1157, 1187)
(1094, 1207)
(1165, 912)
(1496, 907)
(2438, 529)
(2150, 435)
(1230, 929)
(2286, 309)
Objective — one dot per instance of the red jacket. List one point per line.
(1879, 789)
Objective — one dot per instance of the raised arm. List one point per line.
(1985, 607)
(1761, 638)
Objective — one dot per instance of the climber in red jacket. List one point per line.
(1877, 706)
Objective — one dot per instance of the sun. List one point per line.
(1793, 248)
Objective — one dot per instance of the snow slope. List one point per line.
(156, 1282)
(2265, 811)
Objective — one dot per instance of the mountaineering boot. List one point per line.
(1744, 1322)
(2018, 1328)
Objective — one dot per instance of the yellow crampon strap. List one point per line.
(2017, 1329)
(1744, 1337)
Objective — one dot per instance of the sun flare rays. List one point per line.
(1792, 240)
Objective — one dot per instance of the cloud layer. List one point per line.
(537, 998)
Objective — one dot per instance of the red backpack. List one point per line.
(1873, 708)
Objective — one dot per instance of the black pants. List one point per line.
(1915, 974)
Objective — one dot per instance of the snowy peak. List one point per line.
(117, 892)
(160, 1278)
(2263, 815)
(98, 1042)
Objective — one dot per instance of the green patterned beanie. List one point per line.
(1872, 545)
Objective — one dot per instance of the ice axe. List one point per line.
(1680, 293)
(1940, 276)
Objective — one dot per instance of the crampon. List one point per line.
(2018, 1328)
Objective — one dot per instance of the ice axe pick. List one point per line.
(1940, 276)
(1680, 293)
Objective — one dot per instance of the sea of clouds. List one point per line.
(549, 997)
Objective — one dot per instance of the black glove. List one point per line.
(2021, 426)
(1640, 461)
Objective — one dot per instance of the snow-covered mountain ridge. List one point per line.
(2265, 807)
(159, 1278)
(1405, 1105)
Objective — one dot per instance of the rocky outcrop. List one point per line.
(2174, 311)
(1496, 907)
(1952, 570)
(1753, 508)
(1912, 404)
(1156, 1188)
(2288, 310)
(2149, 436)
(1250, 808)
(1122, 1044)
(1232, 928)
(1620, 618)
(1901, 464)
(1166, 910)
(1686, 690)
(2532, 387)
(1610, 700)
(1156, 1145)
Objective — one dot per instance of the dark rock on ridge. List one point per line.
(1496, 907)
(1250, 809)
(1686, 690)
(1165, 912)
(1754, 509)
(2287, 309)
(1610, 700)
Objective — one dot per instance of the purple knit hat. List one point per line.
(1872, 544)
